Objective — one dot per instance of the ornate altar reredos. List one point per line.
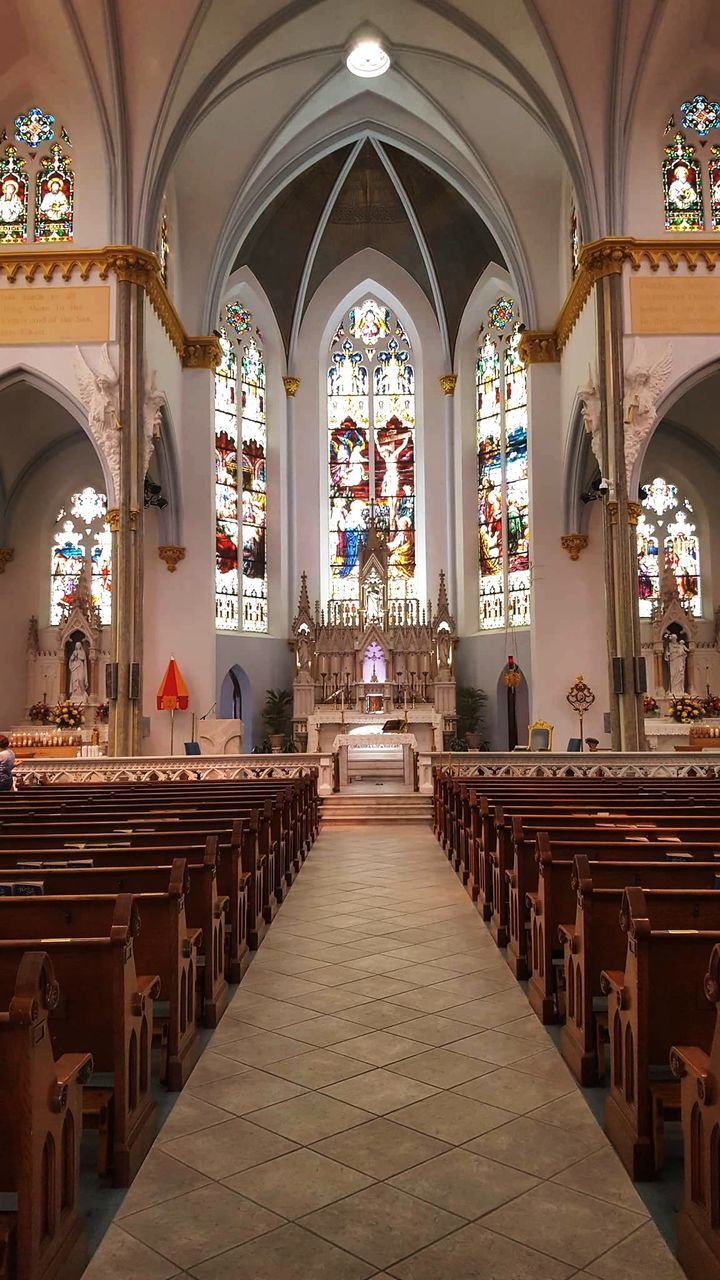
(357, 662)
(68, 660)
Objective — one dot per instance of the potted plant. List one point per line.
(470, 703)
(650, 705)
(276, 716)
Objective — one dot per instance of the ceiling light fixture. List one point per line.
(368, 58)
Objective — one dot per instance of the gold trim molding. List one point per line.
(574, 543)
(607, 257)
(6, 555)
(171, 556)
(129, 265)
(291, 385)
(448, 383)
(634, 511)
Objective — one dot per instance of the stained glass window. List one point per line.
(241, 591)
(682, 187)
(501, 312)
(13, 198)
(163, 247)
(714, 179)
(82, 542)
(34, 127)
(574, 240)
(54, 197)
(699, 114)
(371, 447)
(667, 539)
(502, 443)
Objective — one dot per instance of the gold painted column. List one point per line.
(619, 520)
(126, 522)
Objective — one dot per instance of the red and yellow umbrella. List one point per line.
(172, 695)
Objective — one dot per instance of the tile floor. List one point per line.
(379, 1101)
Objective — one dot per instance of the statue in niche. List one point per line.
(444, 650)
(304, 651)
(79, 688)
(676, 651)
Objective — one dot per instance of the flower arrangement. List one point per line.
(40, 713)
(711, 705)
(102, 712)
(686, 709)
(67, 715)
(650, 706)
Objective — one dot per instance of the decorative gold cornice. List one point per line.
(574, 543)
(112, 519)
(129, 264)
(291, 385)
(171, 556)
(448, 382)
(6, 555)
(538, 347)
(634, 510)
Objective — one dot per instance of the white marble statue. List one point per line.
(79, 688)
(676, 653)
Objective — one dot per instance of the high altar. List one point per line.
(358, 665)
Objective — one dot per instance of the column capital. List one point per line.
(201, 353)
(291, 385)
(448, 382)
(634, 510)
(612, 510)
(539, 346)
(112, 519)
(574, 543)
(6, 555)
(171, 556)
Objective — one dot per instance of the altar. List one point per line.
(377, 663)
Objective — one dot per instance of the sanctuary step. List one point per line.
(362, 810)
(375, 762)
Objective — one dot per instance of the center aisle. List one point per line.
(380, 1101)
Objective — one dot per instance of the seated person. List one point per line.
(7, 764)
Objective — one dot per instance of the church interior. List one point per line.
(360, 640)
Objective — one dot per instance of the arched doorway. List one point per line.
(236, 702)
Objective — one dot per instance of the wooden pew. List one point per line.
(655, 1002)
(698, 1220)
(594, 941)
(104, 1005)
(165, 945)
(40, 1123)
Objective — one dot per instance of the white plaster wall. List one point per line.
(267, 663)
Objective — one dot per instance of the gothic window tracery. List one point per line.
(54, 197)
(371, 447)
(81, 538)
(502, 442)
(241, 587)
(666, 535)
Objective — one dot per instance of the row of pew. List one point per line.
(126, 913)
(605, 894)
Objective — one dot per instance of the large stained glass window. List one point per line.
(682, 187)
(502, 443)
(54, 197)
(714, 177)
(667, 539)
(13, 198)
(81, 542)
(241, 586)
(371, 447)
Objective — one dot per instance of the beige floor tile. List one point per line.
(196, 1226)
(513, 1090)
(285, 962)
(379, 1014)
(333, 975)
(529, 1028)
(464, 1183)
(436, 1030)
(263, 1012)
(247, 1092)
(602, 1175)
(451, 1118)
(441, 1068)
(381, 1148)
(287, 1254)
(213, 1066)
(317, 1067)
(189, 1115)
(380, 1091)
(330, 999)
(325, 1030)
(569, 1112)
(460, 962)
(547, 1065)
(309, 1118)
(536, 1148)
(381, 987)
(160, 1178)
(642, 1254)
(379, 964)
(583, 1229)
(493, 1046)
(381, 1224)
(298, 1183)
(226, 1149)
(125, 1258)
(427, 999)
(477, 1254)
(379, 1047)
(266, 1046)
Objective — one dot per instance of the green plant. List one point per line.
(458, 744)
(470, 704)
(277, 711)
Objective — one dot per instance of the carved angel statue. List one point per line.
(98, 391)
(645, 381)
(591, 403)
(152, 417)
